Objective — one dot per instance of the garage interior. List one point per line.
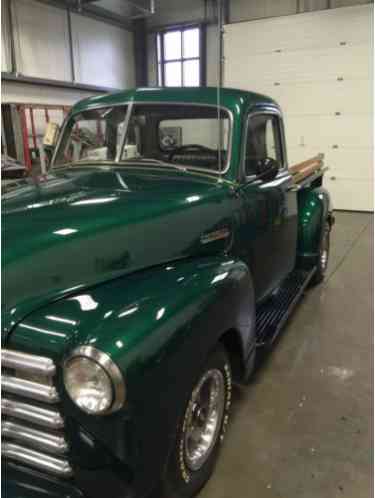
(303, 428)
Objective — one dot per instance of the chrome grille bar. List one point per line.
(29, 389)
(32, 425)
(37, 460)
(27, 362)
(49, 418)
(35, 438)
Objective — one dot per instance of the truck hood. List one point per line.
(82, 226)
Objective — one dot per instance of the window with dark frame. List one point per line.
(179, 57)
(263, 141)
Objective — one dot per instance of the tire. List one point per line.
(323, 257)
(191, 462)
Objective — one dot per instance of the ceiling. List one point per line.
(119, 10)
(124, 8)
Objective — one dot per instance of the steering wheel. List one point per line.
(190, 148)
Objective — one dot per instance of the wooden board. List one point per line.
(302, 170)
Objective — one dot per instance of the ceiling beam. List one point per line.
(143, 11)
(92, 11)
(68, 85)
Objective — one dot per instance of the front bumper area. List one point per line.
(20, 482)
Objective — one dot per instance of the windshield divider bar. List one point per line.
(123, 137)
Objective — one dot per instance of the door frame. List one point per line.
(263, 110)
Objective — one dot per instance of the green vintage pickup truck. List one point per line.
(167, 244)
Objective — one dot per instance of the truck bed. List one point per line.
(306, 172)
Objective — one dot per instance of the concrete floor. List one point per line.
(303, 428)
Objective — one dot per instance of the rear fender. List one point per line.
(314, 208)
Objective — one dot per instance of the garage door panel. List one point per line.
(349, 96)
(312, 97)
(350, 163)
(313, 30)
(318, 65)
(297, 154)
(356, 195)
(329, 131)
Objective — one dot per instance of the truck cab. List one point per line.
(166, 246)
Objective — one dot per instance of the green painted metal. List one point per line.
(232, 99)
(150, 265)
(313, 209)
(84, 226)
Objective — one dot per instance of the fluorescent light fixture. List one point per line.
(193, 198)
(65, 231)
(218, 278)
(60, 319)
(160, 313)
(86, 302)
(44, 331)
(129, 311)
(96, 200)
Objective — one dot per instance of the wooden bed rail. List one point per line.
(302, 170)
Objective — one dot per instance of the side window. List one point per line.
(262, 141)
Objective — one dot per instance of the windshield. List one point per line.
(158, 134)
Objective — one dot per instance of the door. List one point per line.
(319, 67)
(270, 207)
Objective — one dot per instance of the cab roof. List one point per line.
(232, 99)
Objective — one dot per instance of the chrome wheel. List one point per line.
(204, 418)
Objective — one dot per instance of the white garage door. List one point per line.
(318, 66)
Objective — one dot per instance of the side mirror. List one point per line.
(267, 169)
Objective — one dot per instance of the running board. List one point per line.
(273, 313)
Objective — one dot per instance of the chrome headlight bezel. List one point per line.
(109, 367)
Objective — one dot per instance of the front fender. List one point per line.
(314, 207)
(159, 326)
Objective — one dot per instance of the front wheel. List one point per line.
(323, 257)
(201, 429)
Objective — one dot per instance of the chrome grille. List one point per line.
(32, 426)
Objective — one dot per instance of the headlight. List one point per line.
(94, 381)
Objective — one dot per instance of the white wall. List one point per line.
(244, 9)
(5, 54)
(212, 55)
(41, 40)
(103, 53)
(36, 94)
